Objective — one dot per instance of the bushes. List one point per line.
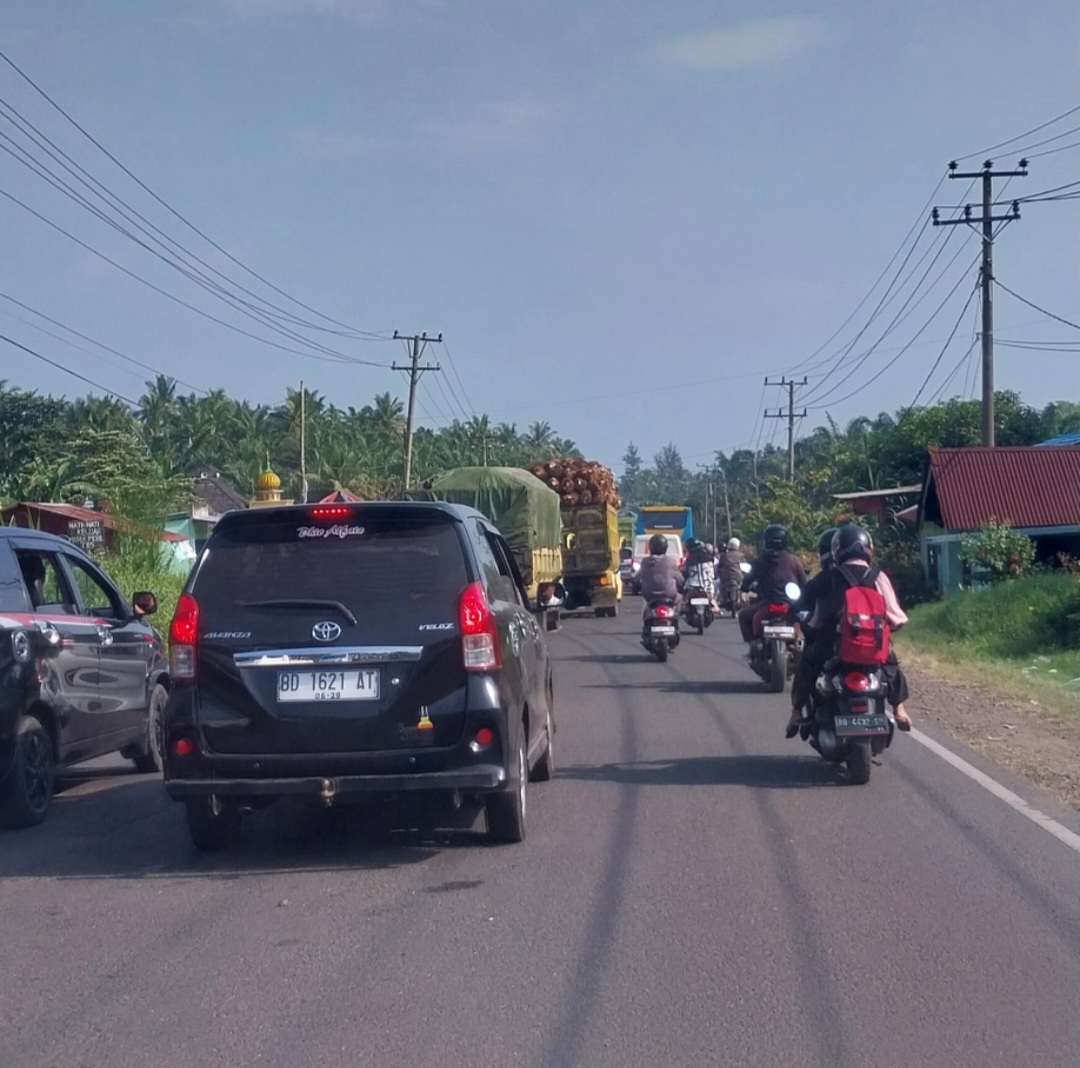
(997, 552)
(1029, 617)
(133, 571)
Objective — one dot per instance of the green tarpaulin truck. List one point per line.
(523, 508)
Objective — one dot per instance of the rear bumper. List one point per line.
(480, 778)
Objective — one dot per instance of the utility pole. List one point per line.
(987, 220)
(303, 451)
(419, 343)
(790, 415)
(727, 504)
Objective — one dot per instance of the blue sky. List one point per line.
(620, 215)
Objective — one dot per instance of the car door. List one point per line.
(70, 684)
(125, 648)
(528, 634)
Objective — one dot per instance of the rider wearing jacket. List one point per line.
(698, 569)
(659, 575)
(772, 571)
(729, 570)
(851, 551)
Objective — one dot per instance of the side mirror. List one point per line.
(549, 595)
(792, 592)
(745, 568)
(145, 603)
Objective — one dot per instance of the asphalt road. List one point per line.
(695, 890)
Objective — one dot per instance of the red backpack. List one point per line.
(864, 626)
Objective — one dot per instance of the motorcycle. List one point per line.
(848, 721)
(733, 598)
(698, 610)
(778, 642)
(660, 630)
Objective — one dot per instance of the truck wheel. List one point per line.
(600, 613)
(31, 774)
(551, 620)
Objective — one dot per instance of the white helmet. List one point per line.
(733, 544)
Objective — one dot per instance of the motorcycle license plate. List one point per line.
(846, 726)
(778, 632)
(661, 630)
(699, 601)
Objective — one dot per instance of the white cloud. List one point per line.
(518, 123)
(755, 43)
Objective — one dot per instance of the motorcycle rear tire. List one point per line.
(777, 667)
(661, 651)
(858, 763)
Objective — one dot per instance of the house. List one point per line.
(875, 502)
(1035, 490)
(212, 496)
(90, 529)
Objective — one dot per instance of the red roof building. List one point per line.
(1035, 490)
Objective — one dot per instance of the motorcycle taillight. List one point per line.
(664, 611)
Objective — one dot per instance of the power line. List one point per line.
(1053, 151)
(85, 337)
(192, 274)
(68, 370)
(1020, 137)
(170, 296)
(1030, 304)
(142, 185)
(906, 309)
(874, 378)
(944, 349)
(921, 217)
(453, 367)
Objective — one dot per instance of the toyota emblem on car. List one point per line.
(326, 631)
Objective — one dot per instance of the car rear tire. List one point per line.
(212, 823)
(506, 810)
(150, 762)
(544, 769)
(28, 791)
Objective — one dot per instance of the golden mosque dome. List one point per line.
(267, 481)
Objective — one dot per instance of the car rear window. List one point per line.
(393, 567)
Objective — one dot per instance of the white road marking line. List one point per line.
(1014, 801)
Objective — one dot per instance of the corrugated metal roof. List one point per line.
(1064, 439)
(88, 515)
(1023, 485)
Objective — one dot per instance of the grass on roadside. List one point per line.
(135, 571)
(1018, 638)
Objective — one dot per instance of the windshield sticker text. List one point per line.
(338, 530)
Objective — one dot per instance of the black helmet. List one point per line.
(775, 538)
(658, 545)
(824, 546)
(852, 543)
(694, 545)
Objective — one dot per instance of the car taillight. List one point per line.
(183, 638)
(479, 634)
(330, 511)
(857, 681)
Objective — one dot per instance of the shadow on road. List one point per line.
(764, 772)
(698, 687)
(122, 825)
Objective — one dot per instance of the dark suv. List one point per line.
(82, 672)
(344, 651)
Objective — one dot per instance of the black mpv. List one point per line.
(349, 650)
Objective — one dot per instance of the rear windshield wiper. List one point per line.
(301, 602)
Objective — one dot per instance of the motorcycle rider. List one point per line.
(659, 576)
(729, 569)
(852, 551)
(698, 569)
(807, 672)
(772, 571)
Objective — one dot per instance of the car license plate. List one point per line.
(846, 726)
(778, 632)
(662, 630)
(699, 601)
(354, 685)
